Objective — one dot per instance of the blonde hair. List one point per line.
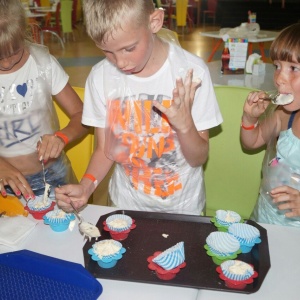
(286, 47)
(103, 17)
(12, 27)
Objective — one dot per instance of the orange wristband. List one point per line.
(62, 136)
(91, 177)
(249, 127)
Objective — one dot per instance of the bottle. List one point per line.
(225, 58)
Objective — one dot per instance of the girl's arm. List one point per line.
(255, 133)
(51, 145)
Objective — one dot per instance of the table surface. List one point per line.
(261, 82)
(30, 14)
(284, 244)
(262, 36)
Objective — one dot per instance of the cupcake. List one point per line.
(222, 246)
(106, 253)
(119, 226)
(38, 207)
(58, 219)
(224, 218)
(236, 273)
(168, 263)
(246, 234)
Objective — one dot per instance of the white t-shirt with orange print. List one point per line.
(151, 173)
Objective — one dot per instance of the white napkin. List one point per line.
(13, 230)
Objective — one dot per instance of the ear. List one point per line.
(156, 20)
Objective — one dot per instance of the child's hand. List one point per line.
(287, 198)
(70, 192)
(11, 176)
(50, 146)
(179, 112)
(254, 105)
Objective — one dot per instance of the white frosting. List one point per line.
(59, 214)
(90, 230)
(118, 223)
(229, 218)
(239, 268)
(284, 99)
(106, 248)
(45, 197)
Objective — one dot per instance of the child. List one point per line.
(29, 126)
(156, 134)
(279, 200)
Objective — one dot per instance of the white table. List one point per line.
(32, 15)
(261, 82)
(262, 37)
(281, 282)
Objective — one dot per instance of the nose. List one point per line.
(120, 61)
(280, 77)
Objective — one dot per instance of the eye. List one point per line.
(295, 68)
(276, 66)
(130, 49)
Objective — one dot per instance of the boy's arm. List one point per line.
(194, 146)
(98, 167)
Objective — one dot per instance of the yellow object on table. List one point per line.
(12, 206)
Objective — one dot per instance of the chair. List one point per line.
(53, 29)
(45, 3)
(210, 12)
(66, 18)
(232, 176)
(79, 153)
(181, 15)
(74, 14)
(35, 31)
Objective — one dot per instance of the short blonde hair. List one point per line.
(12, 27)
(103, 17)
(286, 47)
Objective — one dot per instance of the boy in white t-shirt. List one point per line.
(152, 104)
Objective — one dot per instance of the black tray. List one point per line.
(146, 238)
(29, 275)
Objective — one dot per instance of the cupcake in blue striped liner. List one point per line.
(118, 222)
(236, 274)
(224, 218)
(107, 253)
(58, 219)
(38, 204)
(237, 270)
(246, 234)
(172, 257)
(222, 246)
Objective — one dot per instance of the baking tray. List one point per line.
(29, 275)
(146, 238)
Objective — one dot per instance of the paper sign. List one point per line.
(238, 55)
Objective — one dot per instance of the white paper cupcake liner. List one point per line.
(33, 204)
(237, 270)
(222, 243)
(227, 217)
(172, 257)
(58, 216)
(118, 217)
(245, 233)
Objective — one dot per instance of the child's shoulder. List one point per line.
(180, 53)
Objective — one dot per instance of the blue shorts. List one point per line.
(59, 173)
